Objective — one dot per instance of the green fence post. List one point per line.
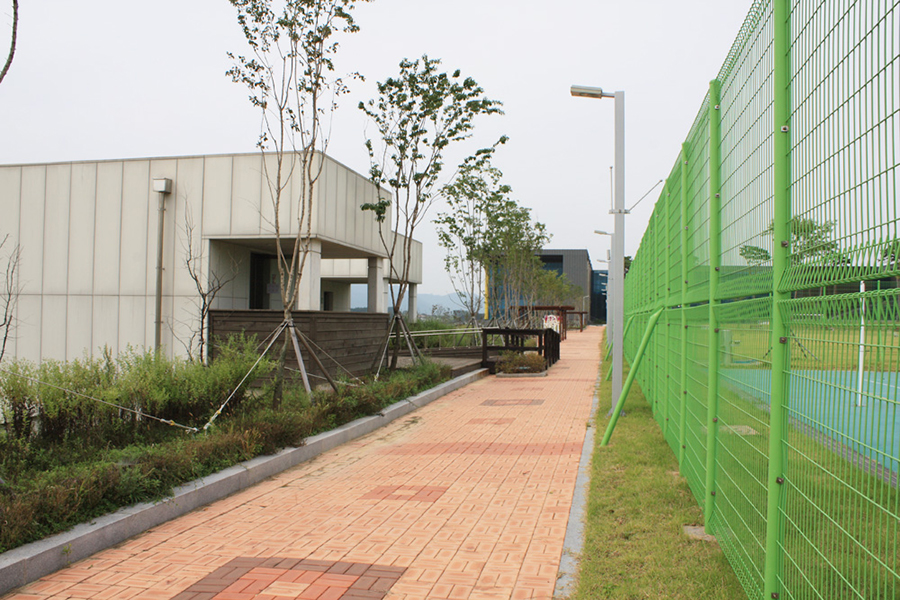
(682, 417)
(781, 111)
(715, 262)
(667, 249)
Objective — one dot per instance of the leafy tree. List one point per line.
(289, 74)
(891, 257)
(509, 254)
(461, 230)
(554, 289)
(418, 115)
(755, 256)
(12, 43)
(810, 241)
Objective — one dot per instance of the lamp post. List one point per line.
(617, 266)
(162, 186)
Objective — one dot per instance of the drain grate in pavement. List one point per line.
(413, 493)
(512, 402)
(293, 579)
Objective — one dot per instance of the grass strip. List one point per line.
(638, 503)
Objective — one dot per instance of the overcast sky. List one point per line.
(106, 79)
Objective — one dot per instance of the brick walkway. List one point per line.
(467, 497)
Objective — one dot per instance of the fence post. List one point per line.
(666, 300)
(715, 262)
(779, 394)
(682, 416)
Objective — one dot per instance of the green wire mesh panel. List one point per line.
(694, 466)
(672, 207)
(843, 444)
(747, 150)
(742, 455)
(835, 497)
(844, 126)
(697, 195)
(672, 398)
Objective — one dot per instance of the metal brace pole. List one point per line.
(620, 404)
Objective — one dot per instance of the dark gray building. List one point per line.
(576, 266)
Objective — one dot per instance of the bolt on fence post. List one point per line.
(682, 417)
(715, 261)
(781, 168)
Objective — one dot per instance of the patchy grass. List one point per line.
(635, 546)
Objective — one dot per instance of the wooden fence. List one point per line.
(352, 339)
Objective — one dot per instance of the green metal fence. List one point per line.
(774, 255)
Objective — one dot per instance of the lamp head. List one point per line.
(583, 91)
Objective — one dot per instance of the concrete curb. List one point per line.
(573, 544)
(29, 563)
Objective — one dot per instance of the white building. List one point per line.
(88, 233)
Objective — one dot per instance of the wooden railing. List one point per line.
(547, 343)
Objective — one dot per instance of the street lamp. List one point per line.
(617, 266)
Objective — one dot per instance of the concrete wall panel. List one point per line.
(56, 229)
(28, 327)
(53, 327)
(105, 330)
(330, 206)
(231, 262)
(79, 311)
(184, 324)
(80, 259)
(267, 202)
(216, 213)
(31, 229)
(133, 322)
(136, 197)
(187, 200)
(10, 188)
(245, 207)
(108, 228)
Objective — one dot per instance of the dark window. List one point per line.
(260, 279)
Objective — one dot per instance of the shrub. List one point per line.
(55, 484)
(521, 362)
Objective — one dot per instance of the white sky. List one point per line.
(106, 79)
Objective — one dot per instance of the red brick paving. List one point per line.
(466, 498)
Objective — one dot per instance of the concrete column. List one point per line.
(309, 296)
(413, 302)
(376, 302)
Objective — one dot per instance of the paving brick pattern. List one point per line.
(461, 499)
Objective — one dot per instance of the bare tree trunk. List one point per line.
(12, 44)
(9, 295)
